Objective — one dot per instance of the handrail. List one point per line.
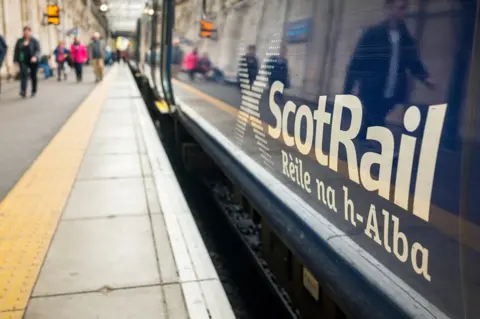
(153, 43)
(168, 21)
(138, 42)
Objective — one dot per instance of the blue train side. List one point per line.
(352, 127)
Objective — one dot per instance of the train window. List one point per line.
(360, 110)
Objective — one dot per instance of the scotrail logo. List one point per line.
(249, 112)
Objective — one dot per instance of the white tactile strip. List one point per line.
(203, 292)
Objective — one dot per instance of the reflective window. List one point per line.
(359, 107)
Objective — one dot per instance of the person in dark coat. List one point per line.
(26, 56)
(278, 66)
(3, 50)
(177, 58)
(252, 63)
(3, 54)
(61, 57)
(379, 65)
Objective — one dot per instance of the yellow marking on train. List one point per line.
(162, 106)
(455, 227)
(30, 213)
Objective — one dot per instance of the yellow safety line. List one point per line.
(30, 213)
(11, 314)
(443, 220)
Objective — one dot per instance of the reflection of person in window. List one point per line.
(177, 58)
(252, 63)
(204, 65)
(278, 67)
(379, 66)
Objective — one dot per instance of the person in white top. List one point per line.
(384, 55)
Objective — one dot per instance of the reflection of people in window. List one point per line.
(204, 65)
(177, 58)
(278, 66)
(379, 66)
(252, 63)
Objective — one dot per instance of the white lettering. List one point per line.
(339, 136)
(285, 163)
(307, 182)
(372, 225)
(428, 160)
(421, 269)
(384, 161)
(291, 167)
(331, 199)
(304, 112)
(321, 191)
(411, 120)
(404, 171)
(386, 232)
(349, 209)
(322, 117)
(290, 107)
(397, 236)
(299, 181)
(274, 132)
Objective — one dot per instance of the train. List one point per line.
(349, 130)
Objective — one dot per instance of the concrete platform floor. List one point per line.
(28, 125)
(98, 226)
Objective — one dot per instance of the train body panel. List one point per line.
(357, 123)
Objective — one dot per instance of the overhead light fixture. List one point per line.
(150, 12)
(103, 7)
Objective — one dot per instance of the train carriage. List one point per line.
(350, 130)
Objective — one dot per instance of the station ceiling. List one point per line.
(122, 15)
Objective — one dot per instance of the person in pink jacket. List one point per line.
(79, 54)
(190, 63)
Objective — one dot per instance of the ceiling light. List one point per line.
(103, 7)
(150, 12)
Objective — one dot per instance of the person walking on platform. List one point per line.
(251, 60)
(278, 66)
(190, 64)
(26, 56)
(61, 57)
(3, 50)
(177, 58)
(3, 54)
(97, 54)
(79, 54)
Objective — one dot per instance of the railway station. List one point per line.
(249, 159)
(93, 222)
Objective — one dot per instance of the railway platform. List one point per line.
(93, 223)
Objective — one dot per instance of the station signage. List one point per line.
(207, 29)
(53, 14)
(298, 31)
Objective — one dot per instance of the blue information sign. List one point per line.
(298, 31)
